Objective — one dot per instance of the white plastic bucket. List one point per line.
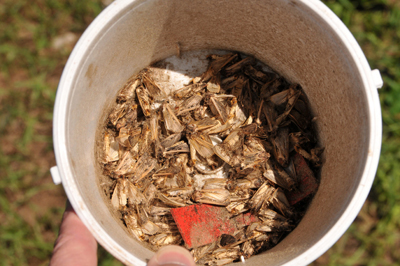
(300, 39)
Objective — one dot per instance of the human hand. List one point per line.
(172, 256)
(76, 246)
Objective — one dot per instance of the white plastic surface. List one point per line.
(55, 174)
(95, 57)
(376, 76)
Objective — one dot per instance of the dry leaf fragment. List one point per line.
(218, 108)
(217, 63)
(131, 222)
(281, 146)
(171, 140)
(119, 196)
(171, 201)
(154, 90)
(111, 148)
(257, 75)
(179, 147)
(239, 65)
(203, 124)
(279, 200)
(129, 91)
(262, 194)
(144, 100)
(190, 104)
(237, 207)
(125, 164)
(143, 167)
(215, 183)
(218, 197)
(172, 123)
(150, 228)
(118, 112)
(202, 144)
(164, 239)
(134, 195)
(189, 90)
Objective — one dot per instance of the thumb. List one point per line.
(75, 245)
(172, 256)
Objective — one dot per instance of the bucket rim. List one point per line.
(71, 69)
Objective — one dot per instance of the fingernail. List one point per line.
(172, 256)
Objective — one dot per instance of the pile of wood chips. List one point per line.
(235, 137)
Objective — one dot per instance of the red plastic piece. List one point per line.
(308, 184)
(202, 224)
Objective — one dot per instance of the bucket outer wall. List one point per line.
(92, 39)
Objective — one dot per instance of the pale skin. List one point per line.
(76, 246)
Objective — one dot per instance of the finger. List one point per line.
(172, 256)
(75, 244)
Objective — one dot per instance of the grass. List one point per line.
(30, 68)
(31, 207)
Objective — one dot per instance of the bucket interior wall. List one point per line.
(285, 35)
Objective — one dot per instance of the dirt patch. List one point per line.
(12, 134)
(41, 203)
